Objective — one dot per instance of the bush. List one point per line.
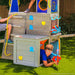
(68, 24)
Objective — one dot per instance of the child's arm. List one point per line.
(49, 64)
(5, 19)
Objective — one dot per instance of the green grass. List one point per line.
(65, 67)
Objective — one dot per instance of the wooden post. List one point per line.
(59, 45)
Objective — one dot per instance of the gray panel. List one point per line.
(37, 54)
(17, 21)
(38, 28)
(26, 58)
(27, 63)
(20, 30)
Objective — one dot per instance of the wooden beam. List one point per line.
(69, 35)
(2, 40)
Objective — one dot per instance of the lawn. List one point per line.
(65, 67)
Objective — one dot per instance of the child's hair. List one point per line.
(49, 46)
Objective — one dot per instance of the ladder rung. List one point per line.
(16, 26)
(12, 34)
(17, 17)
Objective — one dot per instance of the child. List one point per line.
(3, 26)
(45, 56)
(30, 5)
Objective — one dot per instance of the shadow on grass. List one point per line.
(54, 67)
(21, 68)
(17, 68)
(68, 47)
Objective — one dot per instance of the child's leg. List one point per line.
(9, 30)
(31, 3)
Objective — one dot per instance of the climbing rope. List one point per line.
(7, 37)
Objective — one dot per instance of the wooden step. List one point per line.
(18, 16)
(13, 35)
(16, 26)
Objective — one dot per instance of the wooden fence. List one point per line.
(3, 11)
(67, 7)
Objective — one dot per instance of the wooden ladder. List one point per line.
(18, 28)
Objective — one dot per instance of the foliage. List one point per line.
(4, 2)
(68, 24)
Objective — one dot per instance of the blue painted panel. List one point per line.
(54, 6)
(14, 6)
(56, 46)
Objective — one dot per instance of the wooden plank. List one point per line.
(69, 35)
(2, 40)
(16, 26)
(59, 45)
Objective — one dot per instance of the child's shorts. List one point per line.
(2, 27)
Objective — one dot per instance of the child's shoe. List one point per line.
(27, 10)
(9, 41)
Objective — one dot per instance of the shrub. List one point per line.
(68, 24)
